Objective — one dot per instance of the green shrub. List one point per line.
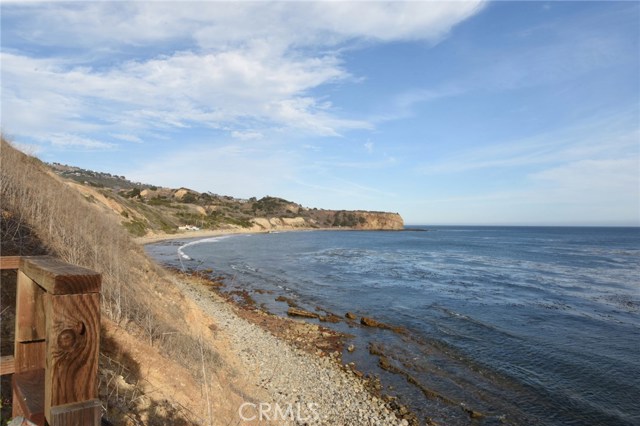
(189, 198)
(136, 227)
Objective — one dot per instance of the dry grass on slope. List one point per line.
(136, 297)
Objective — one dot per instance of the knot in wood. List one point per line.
(67, 339)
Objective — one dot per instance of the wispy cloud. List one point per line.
(547, 54)
(246, 135)
(74, 141)
(218, 25)
(582, 174)
(342, 193)
(614, 179)
(127, 137)
(608, 138)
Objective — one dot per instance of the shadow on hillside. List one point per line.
(122, 392)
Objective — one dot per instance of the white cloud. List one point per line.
(173, 65)
(127, 137)
(247, 135)
(185, 89)
(65, 139)
(218, 25)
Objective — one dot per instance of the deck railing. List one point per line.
(57, 340)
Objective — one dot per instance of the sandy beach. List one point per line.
(204, 233)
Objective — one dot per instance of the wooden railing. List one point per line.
(57, 340)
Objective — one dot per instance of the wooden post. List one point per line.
(29, 349)
(57, 343)
(30, 324)
(73, 329)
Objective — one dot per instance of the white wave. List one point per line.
(183, 255)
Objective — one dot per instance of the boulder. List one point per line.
(297, 312)
(370, 322)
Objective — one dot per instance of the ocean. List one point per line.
(521, 325)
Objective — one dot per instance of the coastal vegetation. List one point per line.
(148, 209)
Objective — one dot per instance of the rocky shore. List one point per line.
(302, 387)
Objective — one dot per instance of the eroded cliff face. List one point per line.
(380, 221)
(333, 219)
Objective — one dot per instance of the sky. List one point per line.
(476, 113)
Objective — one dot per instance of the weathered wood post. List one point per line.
(57, 343)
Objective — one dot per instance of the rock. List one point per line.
(370, 322)
(383, 362)
(472, 413)
(350, 315)
(351, 348)
(289, 301)
(330, 318)
(297, 312)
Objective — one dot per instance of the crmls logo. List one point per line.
(265, 411)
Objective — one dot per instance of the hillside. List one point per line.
(147, 209)
(148, 327)
(172, 351)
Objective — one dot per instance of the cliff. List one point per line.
(147, 209)
(380, 221)
(360, 220)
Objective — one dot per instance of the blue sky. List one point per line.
(504, 113)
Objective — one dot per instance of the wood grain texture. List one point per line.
(7, 365)
(9, 262)
(58, 277)
(30, 320)
(29, 356)
(73, 329)
(28, 392)
(86, 413)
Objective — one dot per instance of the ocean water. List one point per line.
(527, 326)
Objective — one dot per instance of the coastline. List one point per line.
(285, 360)
(291, 360)
(204, 233)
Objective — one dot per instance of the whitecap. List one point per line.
(183, 255)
